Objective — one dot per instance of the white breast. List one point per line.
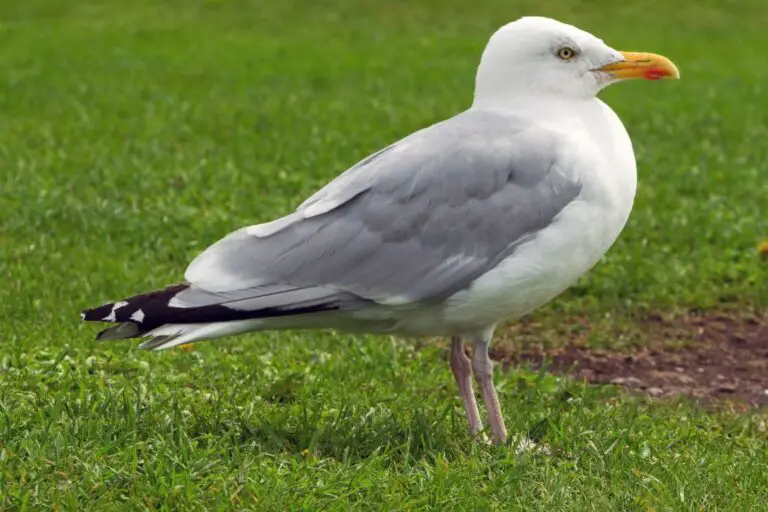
(578, 237)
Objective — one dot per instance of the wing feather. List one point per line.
(417, 221)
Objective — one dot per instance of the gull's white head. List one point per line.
(536, 56)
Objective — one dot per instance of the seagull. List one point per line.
(467, 223)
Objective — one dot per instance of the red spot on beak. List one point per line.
(655, 73)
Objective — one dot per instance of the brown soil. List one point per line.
(715, 357)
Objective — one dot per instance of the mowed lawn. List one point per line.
(135, 133)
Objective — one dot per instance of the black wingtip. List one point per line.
(123, 310)
(96, 314)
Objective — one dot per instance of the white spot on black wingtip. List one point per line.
(82, 316)
(138, 316)
(112, 317)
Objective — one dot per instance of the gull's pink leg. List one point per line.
(462, 371)
(483, 368)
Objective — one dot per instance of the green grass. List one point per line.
(133, 134)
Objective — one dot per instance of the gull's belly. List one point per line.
(540, 269)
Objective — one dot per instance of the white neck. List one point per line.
(541, 106)
(501, 94)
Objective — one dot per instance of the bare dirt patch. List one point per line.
(715, 357)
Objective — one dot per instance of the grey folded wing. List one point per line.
(415, 222)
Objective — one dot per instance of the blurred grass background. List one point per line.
(133, 134)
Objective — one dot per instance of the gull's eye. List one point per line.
(566, 53)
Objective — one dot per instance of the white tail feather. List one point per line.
(179, 334)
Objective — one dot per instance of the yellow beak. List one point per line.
(642, 65)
